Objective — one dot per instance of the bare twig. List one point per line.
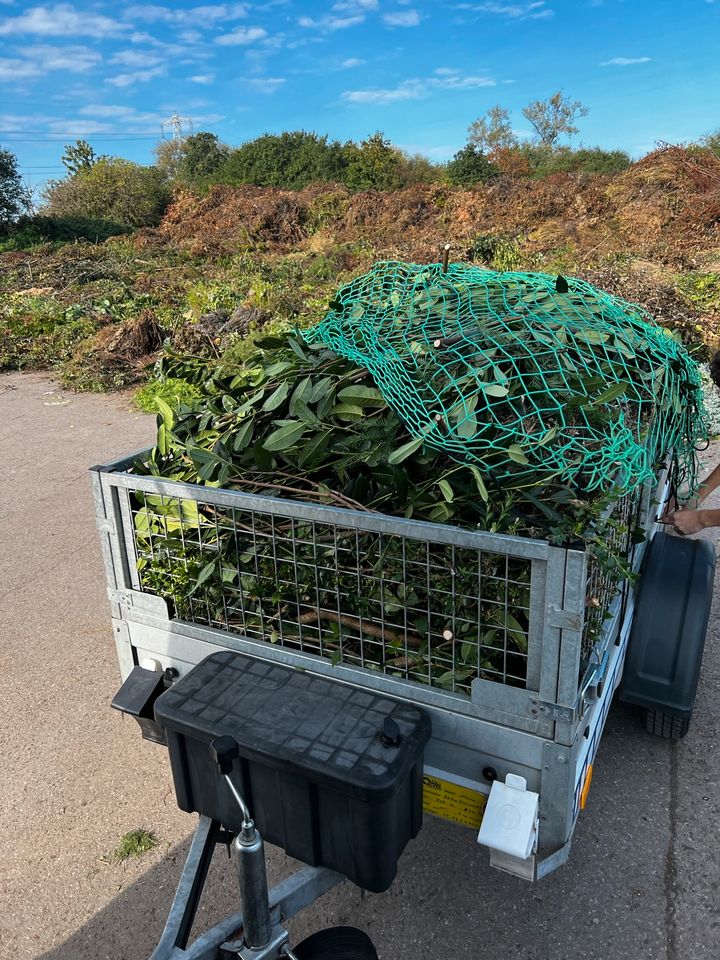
(382, 633)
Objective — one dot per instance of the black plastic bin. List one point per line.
(331, 773)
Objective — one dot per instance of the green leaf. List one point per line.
(277, 397)
(592, 336)
(516, 632)
(313, 446)
(406, 450)
(479, 482)
(301, 396)
(467, 428)
(362, 396)
(244, 435)
(207, 571)
(612, 393)
(516, 453)
(494, 389)
(162, 440)
(548, 436)
(347, 410)
(165, 412)
(446, 489)
(286, 436)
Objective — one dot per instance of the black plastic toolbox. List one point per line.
(331, 773)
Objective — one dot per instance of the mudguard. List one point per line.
(665, 649)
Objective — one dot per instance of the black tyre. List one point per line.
(666, 726)
(336, 943)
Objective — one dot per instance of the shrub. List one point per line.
(289, 160)
(470, 166)
(113, 190)
(32, 231)
(373, 165)
(501, 253)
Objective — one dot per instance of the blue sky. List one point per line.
(420, 71)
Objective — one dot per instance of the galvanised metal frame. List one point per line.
(547, 732)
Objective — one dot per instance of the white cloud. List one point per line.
(139, 76)
(105, 110)
(204, 16)
(418, 89)
(625, 61)
(72, 59)
(40, 59)
(203, 78)
(538, 10)
(12, 69)
(464, 83)
(61, 20)
(402, 18)
(332, 23)
(81, 128)
(266, 84)
(136, 58)
(355, 6)
(446, 71)
(351, 62)
(407, 90)
(241, 36)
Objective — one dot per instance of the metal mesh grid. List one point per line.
(426, 611)
(602, 587)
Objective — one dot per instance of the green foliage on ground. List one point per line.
(134, 844)
(171, 390)
(34, 231)
(702, 290)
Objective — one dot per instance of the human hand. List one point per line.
(686, 521)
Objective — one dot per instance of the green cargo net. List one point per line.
(530, 376)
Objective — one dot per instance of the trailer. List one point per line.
(508, 750)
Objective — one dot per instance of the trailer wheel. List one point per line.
(336, 943)
(666, 726)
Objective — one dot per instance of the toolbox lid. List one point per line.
(337, 734)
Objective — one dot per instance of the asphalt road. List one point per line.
(644, 873)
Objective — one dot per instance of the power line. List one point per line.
(61, 137)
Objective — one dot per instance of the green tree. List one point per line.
(373, 165)
(78, 157)
(493, 131)
(202, 155)
(291, 160)
(168, 155)
(415, 168)
(114, 190)
(711, 142)
(554, 117)
(470, 166)
(14, 195)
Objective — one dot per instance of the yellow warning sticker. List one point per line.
(453, 802)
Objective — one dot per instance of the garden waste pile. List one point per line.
(508, 402)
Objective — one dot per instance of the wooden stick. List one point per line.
(382, 633)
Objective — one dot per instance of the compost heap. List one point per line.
(516, 403)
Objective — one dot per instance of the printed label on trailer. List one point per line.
(453, 802)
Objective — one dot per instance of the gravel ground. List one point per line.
(643, 877)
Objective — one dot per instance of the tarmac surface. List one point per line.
(643, 880)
